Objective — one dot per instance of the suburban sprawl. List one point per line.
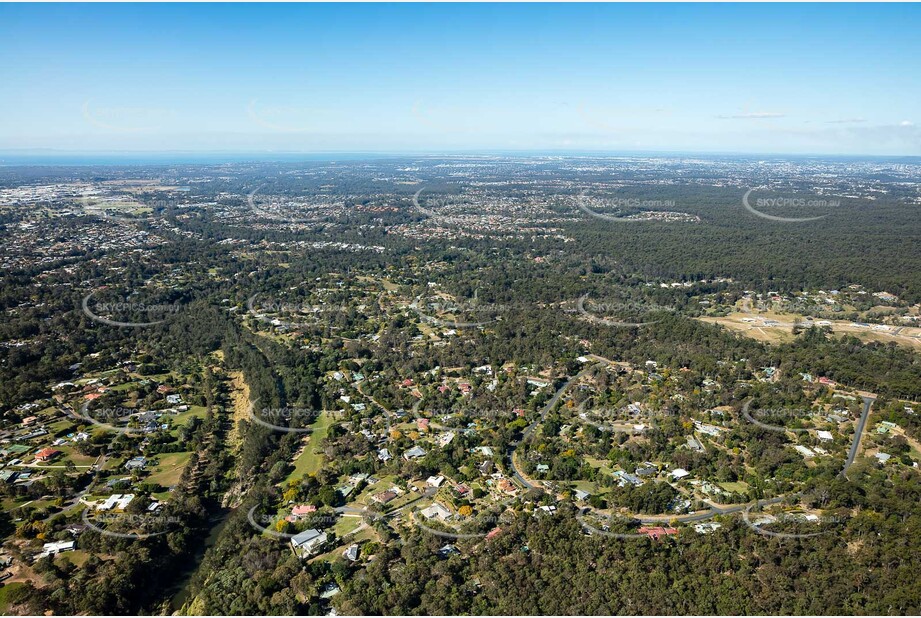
(462, 385)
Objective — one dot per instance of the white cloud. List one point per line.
(906, 123)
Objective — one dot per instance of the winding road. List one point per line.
(529, 430)
(687, 517)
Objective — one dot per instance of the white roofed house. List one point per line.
(50, 549)
(414, 453)
(116, 502)
(351, 554)
(437, 511)
(804, 451)
(306, 543)
(445, 439)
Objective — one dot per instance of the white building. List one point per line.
(437, 511)
(306, 543)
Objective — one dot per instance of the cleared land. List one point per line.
(752, 325)
(310, 459)
(239, 395)
(169, 469)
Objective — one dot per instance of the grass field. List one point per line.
(77, 557)
(345, 525)
(738, 487)
(5, 590)
(168, 471)
(239, 395)
(70, 454)
(62, 425)
(310, 461)
(183, 417)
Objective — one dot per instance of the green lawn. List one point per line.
(183, 417)
(61, 426)
(124, 387)
(364, 498)
(311, 460)
(588, 486)
(602, 464)
(71, 454)
(76, 557)
(168, 471)
(737, 487)
(345, 525)
(5, 590)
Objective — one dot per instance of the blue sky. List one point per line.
(804, 78)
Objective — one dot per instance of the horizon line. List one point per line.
(49, 153)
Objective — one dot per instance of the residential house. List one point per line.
(437, 511)
(136, 463)
(384, 497)
(414, 453)
(47, 454)
(115, 501)
(306, 543)
(804, 451)
(657, 532)
(351, 554)
(301, 511)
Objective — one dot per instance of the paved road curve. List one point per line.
(687, 517)
(861, 425)
(526, 434)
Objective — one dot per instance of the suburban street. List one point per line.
(858, 432)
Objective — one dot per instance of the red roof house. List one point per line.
(47, 454)
(657, 532)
